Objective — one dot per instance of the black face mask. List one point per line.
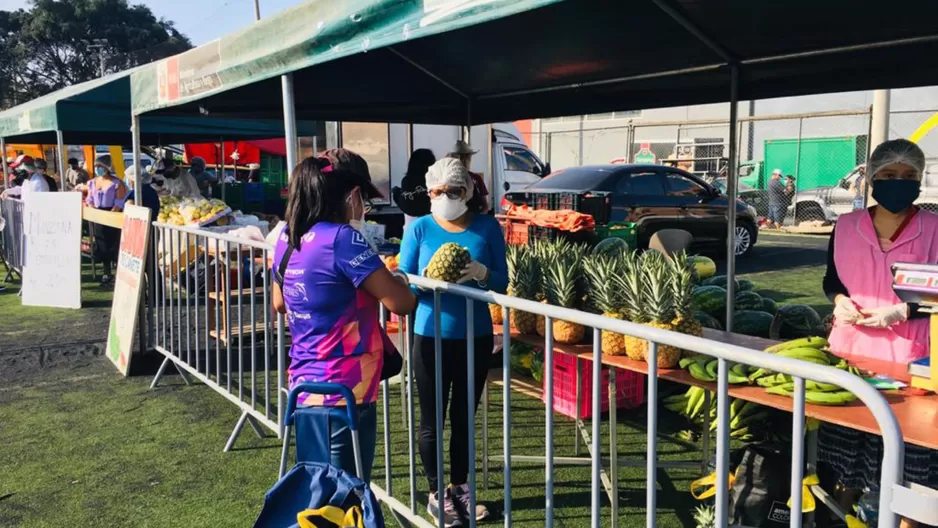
(172, 174)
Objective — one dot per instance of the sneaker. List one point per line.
(106, 280)
(450, 516)
(461, 495)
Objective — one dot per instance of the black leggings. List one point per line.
(106, 245)
(454, 374)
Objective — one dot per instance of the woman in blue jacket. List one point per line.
(451, 220)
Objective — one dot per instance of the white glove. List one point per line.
(885, 317)
(474, 271)
(846, 311)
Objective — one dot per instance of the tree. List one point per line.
(57, 43)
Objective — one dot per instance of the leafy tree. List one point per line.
(57, 43)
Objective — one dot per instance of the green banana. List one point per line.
(821, 387)
(739, 432)
(693, 394)
(740, 370)
(829, 398)
(768, 381)
(675, 407)
(805, 354)
(750, 418)
(749, 408)
(805, 342)
(759, 373)
(698, 405)
(676, 398)
(685, 362)
(712, 367)
(735, 406)
(700, 373)
(781, 378)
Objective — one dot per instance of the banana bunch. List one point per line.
(704, 368)
(812, 350)
(747, 419)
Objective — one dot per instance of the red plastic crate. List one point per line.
(516, 232)
(630, 387)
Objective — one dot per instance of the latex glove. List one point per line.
(884, 317)
(846, 311)
(474, 271)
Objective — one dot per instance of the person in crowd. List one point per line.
(480, 199)
(32, 182)
(148, 195)
(777, 200)
(203, 178)
(869, 319)
(332, 282)
(452, 218)
(106, 192)
(412, 195)
(858, 188)
(176, 181)
(41, 167)
(75, 175)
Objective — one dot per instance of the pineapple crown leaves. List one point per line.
(629, 282)
(604, 272)
(657, 301)
(682, 284)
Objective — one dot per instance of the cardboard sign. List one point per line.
(52, 250)
(128, 286)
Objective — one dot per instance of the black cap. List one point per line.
(353, 167)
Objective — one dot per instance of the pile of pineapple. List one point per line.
(649, 289)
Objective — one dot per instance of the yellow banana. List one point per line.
(805, 354)
(805, 342)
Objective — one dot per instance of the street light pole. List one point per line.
(257, 10)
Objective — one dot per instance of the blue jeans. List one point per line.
(343, 453)
(777, 213)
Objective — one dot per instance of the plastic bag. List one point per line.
(760, 493)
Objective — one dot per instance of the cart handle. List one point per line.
(326, 389)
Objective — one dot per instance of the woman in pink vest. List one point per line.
(869, 319)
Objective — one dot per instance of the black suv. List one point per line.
(655, 197)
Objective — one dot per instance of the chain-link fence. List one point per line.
(816, 157)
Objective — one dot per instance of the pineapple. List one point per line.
(705, 516)
(682, 291)
(561, 278)
(526, 281)
(658, 304)
(448, 262)
(607, 297)
(511, 259)
(629, 282)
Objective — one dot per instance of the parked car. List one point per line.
(757, 198)
(655, 197)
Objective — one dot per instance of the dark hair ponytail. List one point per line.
(314, 197)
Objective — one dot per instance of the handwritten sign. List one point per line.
(52, 268)
(128, 286)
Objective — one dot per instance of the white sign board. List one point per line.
(52, 254)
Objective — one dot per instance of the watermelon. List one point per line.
(708, 321)
(612, 246)
(769, 306)
(828, 324)
(719, 280)
(710, 299)
(793, 321)
(745, 285)
(747, 300)
(704, 267)
(752, 323)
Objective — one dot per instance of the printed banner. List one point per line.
(128, 286)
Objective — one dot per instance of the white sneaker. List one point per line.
(461, 496)
(450, 515)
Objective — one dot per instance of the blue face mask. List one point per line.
(896, 195)
(100, 171)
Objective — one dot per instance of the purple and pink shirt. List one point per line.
(334, 325)
(106, 198)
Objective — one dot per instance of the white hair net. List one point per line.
(450, 172)
(896, 151)
(130, 173)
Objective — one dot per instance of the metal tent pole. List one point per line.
(3, 162)
(60, 151)
(222, 152)
(135, 142)
(731, 192)
(289, 121)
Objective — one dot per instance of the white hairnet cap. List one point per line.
(896, 151)
(130, 173)
(450, 172)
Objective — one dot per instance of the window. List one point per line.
(521, 159)
(641, 183)
(575, 179)
(680, 185)
(372, 142)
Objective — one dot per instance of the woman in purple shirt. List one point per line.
(330, 290)
(106, 192)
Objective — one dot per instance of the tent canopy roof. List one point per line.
(496, 60)
(98, 112)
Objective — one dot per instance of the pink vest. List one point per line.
(865, 270)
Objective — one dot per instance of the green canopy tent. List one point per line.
(484, 61)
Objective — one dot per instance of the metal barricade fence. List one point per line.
(213, 319)
(892, 463)
(11, 237)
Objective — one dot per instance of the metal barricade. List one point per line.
(406, 508)
(11, 237)
(213, 320)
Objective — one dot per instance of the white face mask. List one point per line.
(357, 223)
(447, 208)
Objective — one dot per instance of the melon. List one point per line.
(769, 306)
(747, 300)
(704, 267)
(721, 281)
(745, 285)
(708, 321)
(752, 323)
(709, 299)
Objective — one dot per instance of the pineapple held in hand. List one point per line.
(527, 277)
(659, 304)
(448, 262)
(602, 271)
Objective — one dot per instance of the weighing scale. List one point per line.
(918, 283)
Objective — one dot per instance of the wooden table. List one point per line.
(917, 415)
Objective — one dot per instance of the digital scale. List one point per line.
(918, 283)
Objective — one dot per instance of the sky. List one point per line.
(200, 20)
